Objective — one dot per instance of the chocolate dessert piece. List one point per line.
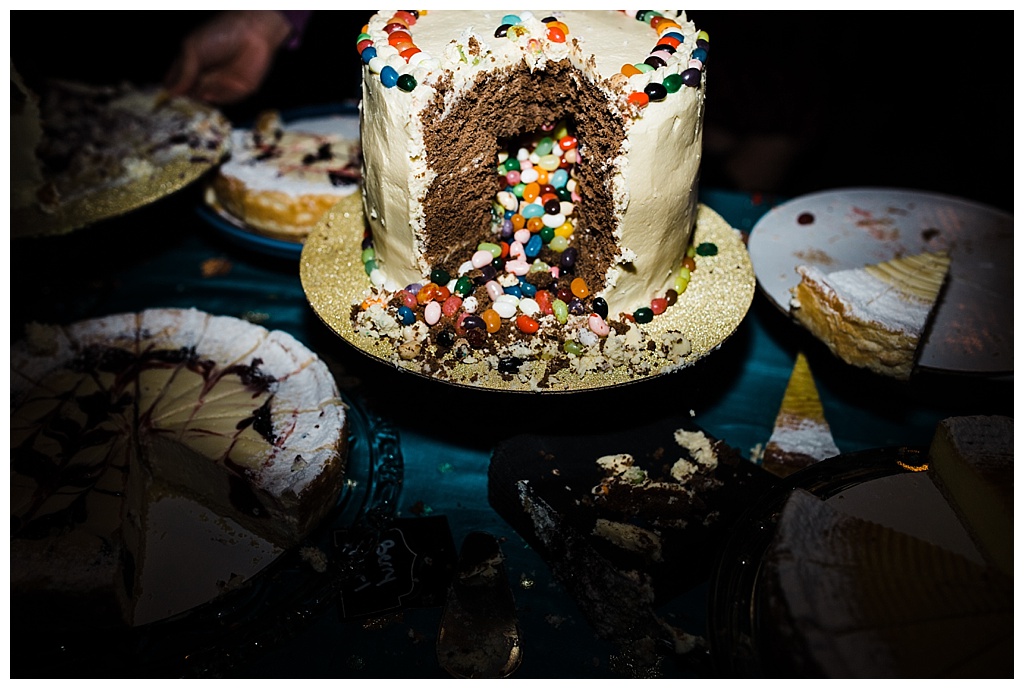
(627, 521)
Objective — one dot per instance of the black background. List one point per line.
(920, 100)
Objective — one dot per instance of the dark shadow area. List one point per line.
(797, 101)
(803, 101)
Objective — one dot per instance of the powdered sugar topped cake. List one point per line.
(873, 316)
(283, 176)
(111, 413)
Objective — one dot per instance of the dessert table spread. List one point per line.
(169, 255)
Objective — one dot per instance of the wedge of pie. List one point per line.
(872, 317)
(971, 461)
(801, 435)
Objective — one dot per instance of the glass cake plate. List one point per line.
(268, 608)
(707, 313)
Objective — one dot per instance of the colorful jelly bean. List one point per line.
(432, 313)
(527, 324)
(643, 315)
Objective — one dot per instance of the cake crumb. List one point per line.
(699, 447)
(757, 453)
(316, 558)
(216, 267)
(234, 582)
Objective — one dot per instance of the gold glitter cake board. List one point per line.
(108, 203)
(117, 199)
(708, 312)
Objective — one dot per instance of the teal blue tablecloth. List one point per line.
(155, 257)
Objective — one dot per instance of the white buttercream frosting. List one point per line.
(653, 177)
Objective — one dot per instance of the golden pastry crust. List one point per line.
(873, 317)
(273, 214)
(282, 178)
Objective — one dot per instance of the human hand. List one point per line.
(226, 59)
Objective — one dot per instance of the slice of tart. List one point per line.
(801, 435)
(971, 461)
(873, 317)
(112, 415)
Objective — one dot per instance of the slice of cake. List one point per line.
(626, 520)
(282, 177)
(113, 414)
(801, 435)
(844, 597)
(873, 317)
(971, 461)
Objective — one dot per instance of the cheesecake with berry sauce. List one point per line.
(113, 416)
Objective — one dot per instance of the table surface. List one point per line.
(153, 257)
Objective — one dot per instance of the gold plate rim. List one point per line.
(717, 299)
(109, 202)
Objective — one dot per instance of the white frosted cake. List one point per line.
(111, 415)
(283, 176)
(450, 95)
(873, 317)
(530, 186)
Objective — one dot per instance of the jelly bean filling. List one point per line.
(520, 218)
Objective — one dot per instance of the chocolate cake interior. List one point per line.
(463, 142)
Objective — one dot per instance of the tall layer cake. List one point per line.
(446, 93)
(515, 160)
(113, 414)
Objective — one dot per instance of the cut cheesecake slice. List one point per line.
(801, 435)
(971, 461)
(109, 415)
(873, 317)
